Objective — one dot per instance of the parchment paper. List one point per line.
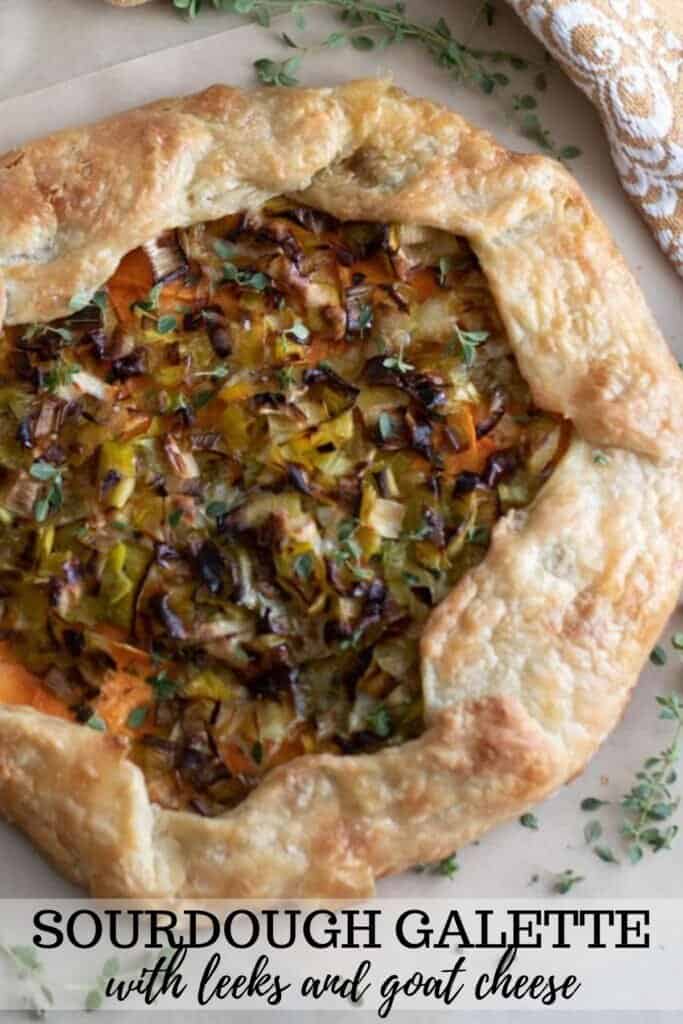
(505, 860)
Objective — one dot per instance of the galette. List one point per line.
(340, 489)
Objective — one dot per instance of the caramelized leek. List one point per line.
(233, 489)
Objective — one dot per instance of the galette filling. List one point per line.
(234, 484)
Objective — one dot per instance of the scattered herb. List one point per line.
(137, 717)
(658, 656)
(350, 643)
(379, 720)
(174, 518)
(61, 375)
(566, 881)
(202, 398)
(606, 854)
(529, 821)
(346, 529)
(489, 10)
(26, 956)
(479, 534)
(634, 853)
(216, 509)
(164, 687)
(303, 566)
(422, 532)
(35, 330)
(397, 363)
(526, 102)
(190, 7)
(445, 265)
(95, 997)
(219, 372)
(592, 831)
(368, 25)
(600, 458)
(97, 723)
(385, 425)
(45, 471)
(81, 300)
(285, 377)
(225, 250)
(677, 641)
(246, 278)
(93, 1000)
(364, 318)
(350, 553)
(591, 803)
(448, 867)
(165, 324)
(257, 752)
(468, 342)
(650, 799)
(277, 72)
(150, 304)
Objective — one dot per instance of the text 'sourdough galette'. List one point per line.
(340, 489)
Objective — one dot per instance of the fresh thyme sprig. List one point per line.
(448, 867)
(650, 800)
(368, 25)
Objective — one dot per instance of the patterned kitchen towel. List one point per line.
(627, 56)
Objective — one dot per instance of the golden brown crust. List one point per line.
(528, 664)
(319, 826)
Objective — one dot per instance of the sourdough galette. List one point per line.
(339, 490)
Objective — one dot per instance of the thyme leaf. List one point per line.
(650, 800)
(592, 831)
(448, 867)
(565, 881)
(163, 685)
(379, 721)
(469, 341)
(658, 656)
(591, 803)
